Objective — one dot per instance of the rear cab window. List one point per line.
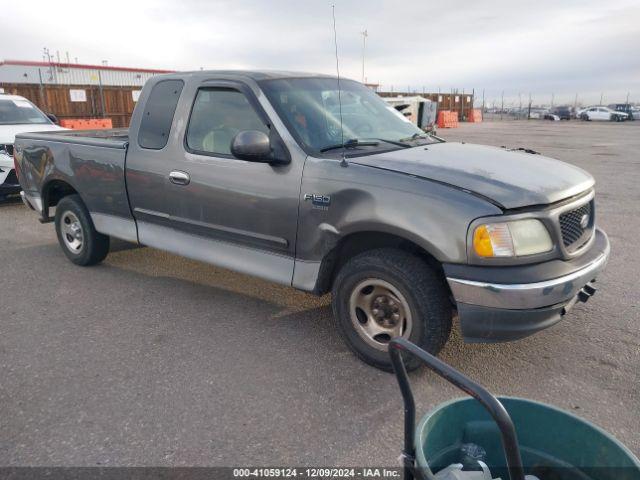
(158, 114)
(217, 116)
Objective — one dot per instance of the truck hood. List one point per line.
(511, 179)
(8, 132)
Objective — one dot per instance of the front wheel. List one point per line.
(387, 293)
(80, 241)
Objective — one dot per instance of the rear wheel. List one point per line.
(80, 241)
(387, 293)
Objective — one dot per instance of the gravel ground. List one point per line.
(151, 359)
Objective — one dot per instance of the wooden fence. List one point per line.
(115, 103)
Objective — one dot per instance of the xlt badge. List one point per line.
(320, 202)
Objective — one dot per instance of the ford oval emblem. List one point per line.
(584, 221)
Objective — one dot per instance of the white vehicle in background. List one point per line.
(536, 113)
(600, 112)
(418, 110)
(17, 115)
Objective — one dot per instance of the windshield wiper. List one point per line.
(351, 143)
(422, 136)
(415, 136)
(392, 142)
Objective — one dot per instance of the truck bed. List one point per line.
(91, 162)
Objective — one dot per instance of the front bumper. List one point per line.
(8, 182)
(506, 303)
(9, 189)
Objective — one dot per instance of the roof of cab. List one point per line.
(256, 75)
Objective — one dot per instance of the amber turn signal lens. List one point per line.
(482, 242)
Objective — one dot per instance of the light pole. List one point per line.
(364, 46)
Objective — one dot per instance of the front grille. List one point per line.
(574, 234)
(12, 178)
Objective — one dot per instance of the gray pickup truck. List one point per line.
(316, 183)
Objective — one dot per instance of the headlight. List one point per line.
(511, 239)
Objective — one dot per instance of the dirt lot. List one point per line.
(151, 359)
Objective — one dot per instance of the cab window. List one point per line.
(218, 114)
(158, 114)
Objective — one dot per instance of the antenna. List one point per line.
(364, 34)
(335, 41)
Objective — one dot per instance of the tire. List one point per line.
(77, 235)
(422, 292)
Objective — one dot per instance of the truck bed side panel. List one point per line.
(95, 169)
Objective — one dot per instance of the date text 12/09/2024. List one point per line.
(317, 472)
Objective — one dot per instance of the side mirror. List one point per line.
(251, 145)
(52, 117)
(256, 146)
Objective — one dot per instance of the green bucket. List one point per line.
(553, 443)
(519, 437)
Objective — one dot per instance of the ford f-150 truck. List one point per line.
(316, 183)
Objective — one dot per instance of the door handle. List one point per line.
(179, 178)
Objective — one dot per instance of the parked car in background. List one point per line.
(600, 112)
(17, 115)
(255, 172)
(635, 112)
(537, 113)
(625, 108)
(563, 113)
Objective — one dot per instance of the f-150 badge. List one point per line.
(320, 202)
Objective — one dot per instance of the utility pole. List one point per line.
(601, 97)
(520, 106)
(364, 47)
(43, 98)
(100, 89)
(627, 101)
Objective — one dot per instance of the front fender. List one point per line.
(364, 199)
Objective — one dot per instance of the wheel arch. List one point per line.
(54, 190)
(362, 241)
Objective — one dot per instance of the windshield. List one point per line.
(311, 110)
(20, 112)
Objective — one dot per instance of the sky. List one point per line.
(562, 48)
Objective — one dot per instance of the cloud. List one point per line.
(542, 47)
